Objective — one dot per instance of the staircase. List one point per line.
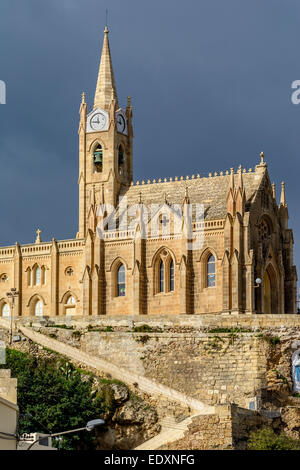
(170, 431)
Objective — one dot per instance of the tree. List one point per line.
(53, 397)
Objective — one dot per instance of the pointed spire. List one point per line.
(240, 180)
(106, 87)
(186, 199)
(282, 197)
(231, 178)
(273, 191)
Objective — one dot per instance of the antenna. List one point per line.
(106, 14)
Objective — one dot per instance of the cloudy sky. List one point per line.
(210, 83)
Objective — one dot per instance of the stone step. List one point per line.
(171, 431)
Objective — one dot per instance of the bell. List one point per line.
(98, 158)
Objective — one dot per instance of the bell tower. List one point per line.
(105, 146)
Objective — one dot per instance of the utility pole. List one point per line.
(12, 294)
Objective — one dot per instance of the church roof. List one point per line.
(211, 191)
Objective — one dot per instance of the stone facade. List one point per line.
(129, 270)
(227, 429)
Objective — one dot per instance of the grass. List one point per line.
(229, 330)
(64, 327)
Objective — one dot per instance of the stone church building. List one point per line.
(128, 269)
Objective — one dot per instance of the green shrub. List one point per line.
(143, 329)
(272, 340)
(52, 397)
(267, 439)
(229, 330)
(76, 334)
(64, 327)
(108, 329)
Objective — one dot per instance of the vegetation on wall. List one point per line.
(54, 396)
(267, 439)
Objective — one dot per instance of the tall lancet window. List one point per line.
(121, 159)
(211, 271)
(161, 276)
(171, 276)
(121, 281)
(98, 159)
(38, 276)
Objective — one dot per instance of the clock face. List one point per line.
(121, 123)
(98, 121)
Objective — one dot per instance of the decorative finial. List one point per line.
(128, 101)
(83, 98)
(38, 238)
(282, 197)
(231, 178)
(262, 158)
(273, 191)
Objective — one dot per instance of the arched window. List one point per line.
(71, 300)
(98, 159)
(161, 276)
(5, 310)
(211, 271)
(171, 276)
(38, 276)
(38, 309)
(121, 284)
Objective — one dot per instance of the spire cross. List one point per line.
(38, 238)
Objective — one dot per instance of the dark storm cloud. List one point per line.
(210, 83)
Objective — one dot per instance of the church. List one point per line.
(243, 263)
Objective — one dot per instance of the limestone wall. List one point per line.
(215, 368)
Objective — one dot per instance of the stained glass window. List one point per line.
(172, 275)
(211, 271)
(121, 281)
(161, 277)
